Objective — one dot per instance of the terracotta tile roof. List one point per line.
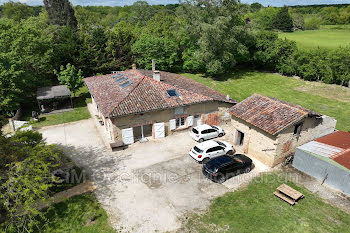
(269, 114)
(185, 83)
(143, 95)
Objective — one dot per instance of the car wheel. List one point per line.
(201, 140)
(220, 179)
(247, 169)
(221, 134)
(230, 152)
(204, 161)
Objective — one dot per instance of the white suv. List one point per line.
(205, 132)
(202, 152)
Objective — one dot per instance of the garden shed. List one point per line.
(54, 99)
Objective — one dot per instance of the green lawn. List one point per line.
(327, 99)
(81, 213)
(328, 37)
(80, 112)
(256, 209)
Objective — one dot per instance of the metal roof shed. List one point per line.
(53, 92)
(327, 159)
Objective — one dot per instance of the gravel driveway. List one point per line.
(149, 186)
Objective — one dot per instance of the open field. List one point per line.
(327, 99)
(81, 213)
(80, 111)
(329, 37)
(255, 208)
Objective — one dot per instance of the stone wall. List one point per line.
(257, 143)
(312, 128)
(272, 150)
(117, 124)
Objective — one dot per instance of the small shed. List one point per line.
(327, 159)
(54, 98)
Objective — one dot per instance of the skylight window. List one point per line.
(172, 92)
(127, 83)
(120, 80)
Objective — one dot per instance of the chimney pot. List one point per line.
(228, 97)
(133, 66)
(156, 75)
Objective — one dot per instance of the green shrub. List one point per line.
(312, 22)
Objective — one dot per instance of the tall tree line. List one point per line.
(205, 36)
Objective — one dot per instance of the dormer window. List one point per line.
(172, 92)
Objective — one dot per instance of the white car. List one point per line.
(205, 132)
(203, 152)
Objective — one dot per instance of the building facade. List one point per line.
(270, 129)
(138, 104)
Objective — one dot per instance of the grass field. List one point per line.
(329, 37)
(80, 112)
(78, 214)
(327, 99)
(256, 209)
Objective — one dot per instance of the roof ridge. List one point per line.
(296, 106)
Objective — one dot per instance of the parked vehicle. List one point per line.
(202, 152)
(205, 132)
(221, 168)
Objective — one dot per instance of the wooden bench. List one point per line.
(288, 194)
(118, 145)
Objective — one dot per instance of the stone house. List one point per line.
(137, 104)
(270, 129)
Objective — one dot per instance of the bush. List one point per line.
(312, 22)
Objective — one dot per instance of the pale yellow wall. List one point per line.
(257, 143)
(163, 116)
(272, 150)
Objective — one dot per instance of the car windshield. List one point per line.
(214, 127)
(221, 144)
(197, 149)
(195, 131)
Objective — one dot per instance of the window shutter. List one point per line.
(189, 121)
(172, 123)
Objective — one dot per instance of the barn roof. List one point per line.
(135, 91)
(52, 92)
(341, 140)
(269, 114)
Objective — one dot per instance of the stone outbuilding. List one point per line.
(137, 104)
(270, 129)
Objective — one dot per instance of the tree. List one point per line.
(312, 22)
(298, 22)
(256, 6)
(27, 187)
(61, 13)
(283, 21)
(120, 40)
(26, 60)
(216, 32)
(163, 50)
(264, 18)
(71, 77)
(17, 11)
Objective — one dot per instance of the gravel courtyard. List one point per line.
(149, 186)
